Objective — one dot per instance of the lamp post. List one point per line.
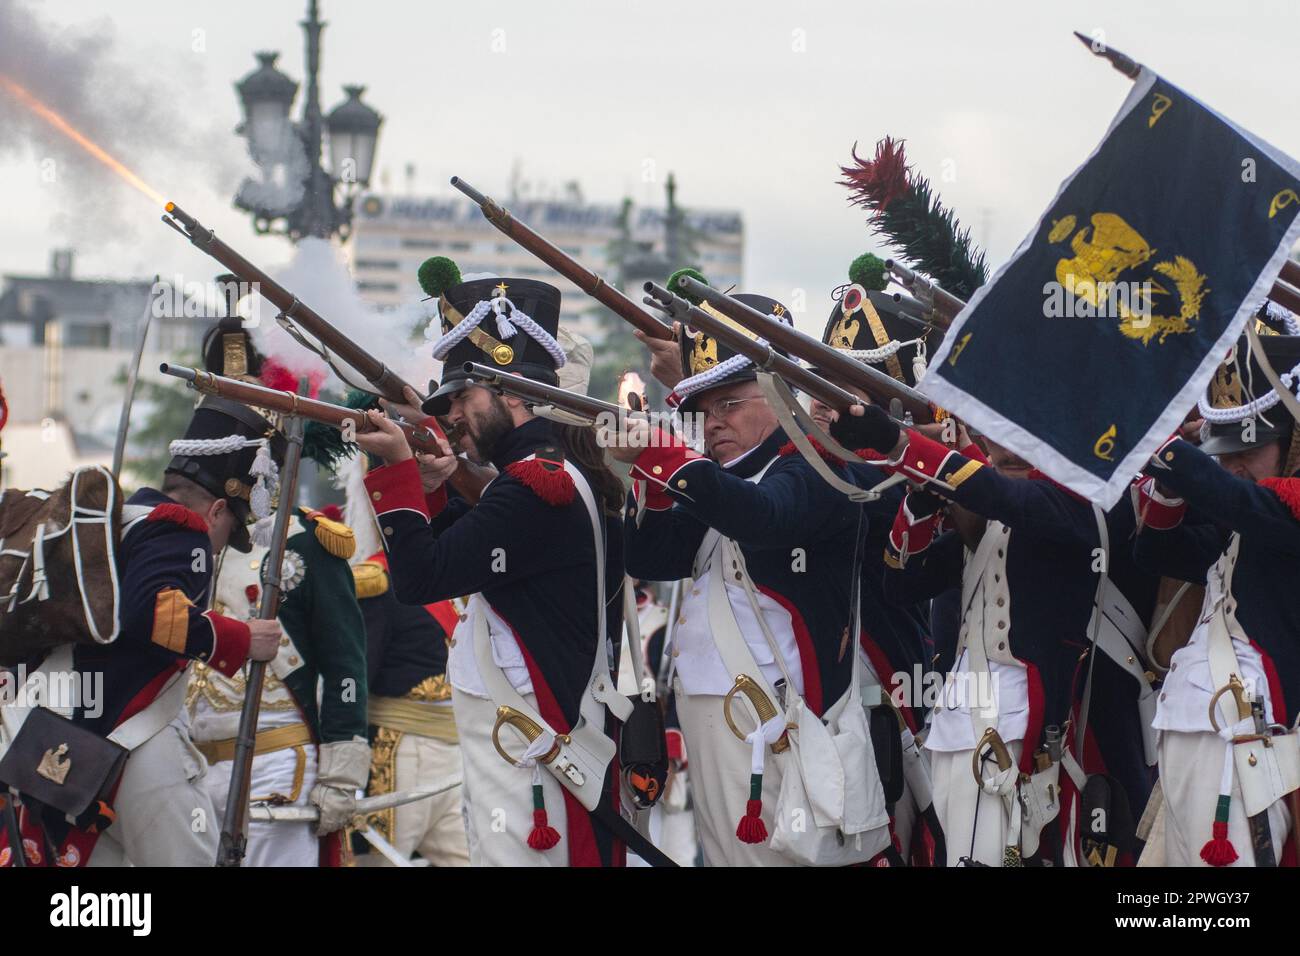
(293, 193)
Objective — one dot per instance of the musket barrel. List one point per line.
(829, 361)
(289, 403)
(385, 381)
(564, 264)
(469, 190)
(946, 305)
(179, 371)
(763, 356)
(1290, 272)
(540, 393)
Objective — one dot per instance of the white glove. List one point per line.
(344, 768)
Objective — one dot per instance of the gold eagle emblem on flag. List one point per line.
(1110, 268)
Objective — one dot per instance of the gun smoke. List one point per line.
(318, 276)
(84, 74)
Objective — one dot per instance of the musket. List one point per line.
(419, 437)
(564, 264)
(830, 362)
(939, 304)
(763, 356)
(539, 394)
(234, 836)
(132, 380)
(468, 479)
(1286, 288)
(384, 380)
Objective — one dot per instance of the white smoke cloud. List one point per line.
(319, 277)
(84, 73)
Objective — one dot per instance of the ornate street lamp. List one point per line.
(293, 195)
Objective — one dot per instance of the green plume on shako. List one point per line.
(437, 274)
(868, 271)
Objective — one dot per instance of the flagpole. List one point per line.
(1286, 287)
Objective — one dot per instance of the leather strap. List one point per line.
(266, 742)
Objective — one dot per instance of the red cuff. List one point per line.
(929, 460)
(919, 531)
(230, 643)
(975, 453)
(397, 487)
(676, 745)
(656, 466)
(650, 496)
(1161, 515)
(436, 500)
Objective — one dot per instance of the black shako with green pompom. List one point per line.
(519, 352)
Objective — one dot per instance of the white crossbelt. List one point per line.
(585, 751)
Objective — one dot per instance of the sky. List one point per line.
(753, 106)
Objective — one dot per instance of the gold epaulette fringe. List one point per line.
(334, 536)
(371, 579)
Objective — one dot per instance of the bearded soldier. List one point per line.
(1233, 688)
(770, 548)
(160, 813)
(540, 552)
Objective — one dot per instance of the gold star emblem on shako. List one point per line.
(778, 310)
(500, 290)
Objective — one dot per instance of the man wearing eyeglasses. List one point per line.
(770, 547)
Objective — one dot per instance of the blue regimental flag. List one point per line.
(1090, 345)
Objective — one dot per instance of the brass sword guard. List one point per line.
(993, 740)
(763, 707)
(526, 726)
(1238, 691)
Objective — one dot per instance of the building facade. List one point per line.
(392, 235)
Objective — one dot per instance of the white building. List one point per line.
(392, 235)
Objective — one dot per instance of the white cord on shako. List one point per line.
(263, 468)
(890, 349)
(707, 379)
(506, 328)
(1227, 416)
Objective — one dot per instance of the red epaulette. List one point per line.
(1288, 489)
(179, 514)
(870, 454)
(545, 476)
(789, 449)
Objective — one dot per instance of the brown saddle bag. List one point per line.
(58, 565)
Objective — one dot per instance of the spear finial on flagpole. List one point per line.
(1125, 64)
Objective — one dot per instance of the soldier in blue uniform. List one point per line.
(1233, 524)
(875, 330)
(771, 550)
(163, 815)
(1023, 668)
(533, 655)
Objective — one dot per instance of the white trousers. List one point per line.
(720, 784)
(434, 827)
(497, 798)
(975, 823)
(291, 772)
(164, 814)
(1190, 765)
